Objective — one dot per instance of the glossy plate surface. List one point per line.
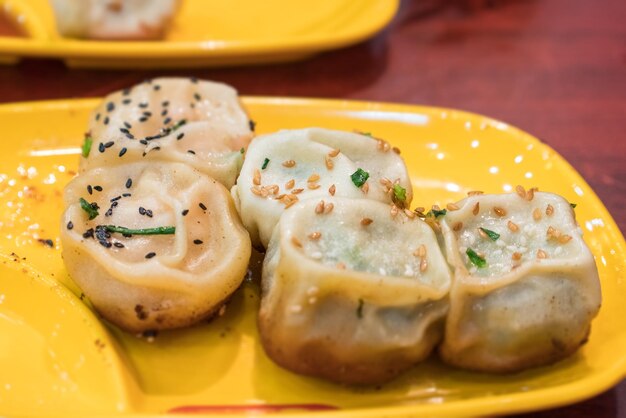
(57, 357)
(207, 33)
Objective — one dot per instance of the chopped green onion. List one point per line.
(573, 205)
(359, 309)
(90, 208)
(436, 213)
(178, 125)
(359, 177)
(242, 150)
(366, 134)
(161, 230)
(491, 234)
(86, 148)
(477, 260)
(265, 163)
(399, 193)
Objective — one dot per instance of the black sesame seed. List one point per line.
(106, 120)
(157, 87)
(125, 92)
(167, 120)
(101, 147)
(118, 244)
(129, 183)
(197, 96)
(130, 136)
(143, 141)
(115, 199)
(148, 213)
(47, 242)
(191, 151)
(109, 212)
(110, 107)
(88, 233)
(164, 112)
(146, 113)
(124, 130)
(122, 152)
(126, 194)
(165, 103)
(197, 241)
(142, 210)
(70, 225)
(97, 188)
(185, 212)
(150, 255)
(143, 119)
(105, 244)
(180, 136)
(143, 105)
(252, 124)
(114, 204)
(126, 101)
(202, 206)
(89, 189)
(109, 144)
(97, 116)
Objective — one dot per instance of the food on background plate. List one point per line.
(525, 285)
(288, 166)
(114, 19)
(199, 123)
(153, 245)
(352, 291)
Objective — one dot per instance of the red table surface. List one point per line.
(555, 68)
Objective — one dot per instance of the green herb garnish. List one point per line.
(435, 213)
(178, 124)
(359, 309)
(242, 150)
(477, 260)
(90, 208)
(491, 234)
(573, 205)
(86, 148)
(265, 163)
(161, 230)
(399, 193)
(359, 177)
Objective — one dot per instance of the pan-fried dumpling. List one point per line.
(153, 246)
(352, 291)
(114, 19)
(285, 167)
(525, 284)
(199, 123)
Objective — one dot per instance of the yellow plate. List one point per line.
(56, 357)
(207, 33)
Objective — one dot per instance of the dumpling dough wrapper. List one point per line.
(196, 122)
(155, 281)
(114, 19)
(531, 299)
(293, 165)
(352, 292)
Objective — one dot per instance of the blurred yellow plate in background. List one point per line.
(57, 357)
(207, 33)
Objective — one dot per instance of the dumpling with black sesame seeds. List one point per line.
(351, 291)
(525, 287)
(153, 246)
(283, 168)
(196, 122)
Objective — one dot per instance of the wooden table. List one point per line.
(556, 68)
